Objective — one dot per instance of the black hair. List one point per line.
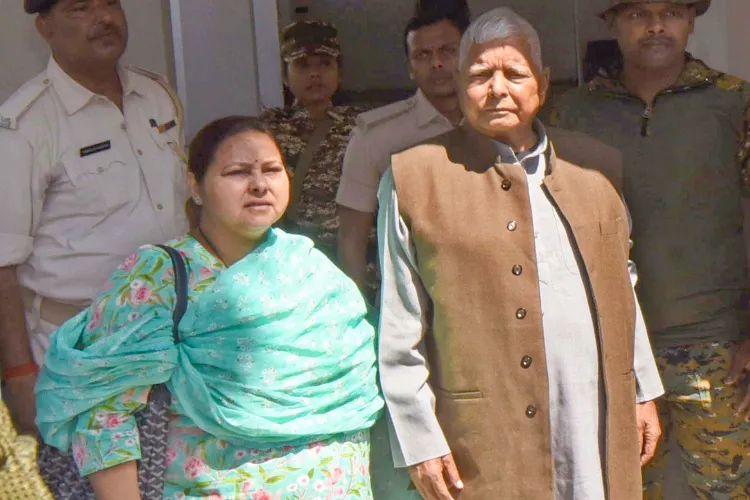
(429, 12)
(207, 142)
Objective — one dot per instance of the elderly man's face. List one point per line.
(502, 91)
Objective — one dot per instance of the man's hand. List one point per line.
(19, 395)
(649, 430)
(737, 372)
(435, 478)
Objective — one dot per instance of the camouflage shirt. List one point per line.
(686, 158)
(695, 75)
(316, 210)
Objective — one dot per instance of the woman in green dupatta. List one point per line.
(273, 380)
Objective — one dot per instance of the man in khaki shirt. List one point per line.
(431, 41)
(91, 156)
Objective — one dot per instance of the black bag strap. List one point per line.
(181, 287)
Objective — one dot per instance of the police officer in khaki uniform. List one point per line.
(432, 38)
(90, 152)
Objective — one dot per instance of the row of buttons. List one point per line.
(521, 313)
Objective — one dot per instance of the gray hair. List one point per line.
(499, 25)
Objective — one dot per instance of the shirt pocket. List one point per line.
(101, 179)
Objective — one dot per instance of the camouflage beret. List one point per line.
(305, 38)
(35, 6)
(701, 6)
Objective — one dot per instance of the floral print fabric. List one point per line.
(275, 359)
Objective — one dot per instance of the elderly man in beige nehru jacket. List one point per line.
(513, 356)
(90, 152)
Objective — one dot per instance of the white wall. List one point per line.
(24, 54)
(722, 37)
(215, 59)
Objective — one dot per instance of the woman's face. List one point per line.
(313, 79)
(246, 187)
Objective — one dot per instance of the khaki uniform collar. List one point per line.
(426, 112)
(75, 96)
(696, 74)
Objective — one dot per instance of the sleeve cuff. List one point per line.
(415, 438)
(97, 449)
(14, 249)
(357, 196)
(649, 394)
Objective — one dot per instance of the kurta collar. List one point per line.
(525, 158)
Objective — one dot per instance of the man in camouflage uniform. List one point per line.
(313, 132)
(683, 131)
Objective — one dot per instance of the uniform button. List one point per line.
(531, 411)
(45, 81)
(512, 225)
(140, 153)
(123, 126)
(100, 169)
(517, 270)
(160, 206)
(521, 313)
(526, 362)
(506, 185)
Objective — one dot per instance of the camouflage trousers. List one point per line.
(698, 410)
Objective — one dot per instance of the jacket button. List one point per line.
(512, 225)
(531, 411)
(526, 362)
(506, 185)
(521, 313)
(517, 270)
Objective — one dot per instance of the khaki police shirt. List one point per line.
(380, 133)
(84, 184)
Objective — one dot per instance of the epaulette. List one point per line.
(732, 83)
(19, 103)
(164, 83)
(386, 113)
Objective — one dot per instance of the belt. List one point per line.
(51, 311)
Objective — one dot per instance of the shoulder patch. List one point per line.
(386, 113)
(732, 83)
(164, 83)
(13, 109)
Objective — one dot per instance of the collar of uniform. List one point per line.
(507, 155)
(75, 96)
(695, 74)
(426, 112)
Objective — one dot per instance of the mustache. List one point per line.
(439, 75)
(657, 40)
(105, 30)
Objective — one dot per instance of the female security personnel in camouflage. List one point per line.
(312, 132)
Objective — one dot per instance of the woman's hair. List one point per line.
(207, 142)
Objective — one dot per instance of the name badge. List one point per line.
(167, 126)
(95, 148)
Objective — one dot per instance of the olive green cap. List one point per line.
(701, 6)
(308, 37)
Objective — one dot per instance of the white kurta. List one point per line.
(577, 400)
